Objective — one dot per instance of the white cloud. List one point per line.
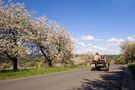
(94, 49)
(84, 44)
(74, 39)
(114, 41)
(87, 38)
(100, 48)
(91, 47)
(131, 38)
(99, 40)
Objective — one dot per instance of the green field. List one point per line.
(25, 73)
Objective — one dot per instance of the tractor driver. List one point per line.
(97, 57)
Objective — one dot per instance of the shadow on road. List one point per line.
(109, 81)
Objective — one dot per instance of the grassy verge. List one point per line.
(25, 73)
(132, 69)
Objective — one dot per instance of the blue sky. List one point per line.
(95, 25)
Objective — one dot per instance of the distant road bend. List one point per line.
(83, 79)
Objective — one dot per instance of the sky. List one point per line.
(94, 25)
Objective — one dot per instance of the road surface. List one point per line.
(116, 79)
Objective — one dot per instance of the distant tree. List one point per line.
(128, 51)
(87, 57)
(119, 59)
(12, 28)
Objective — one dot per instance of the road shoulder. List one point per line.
(127, 82)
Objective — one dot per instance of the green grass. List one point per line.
(132, 69)
(25, 73)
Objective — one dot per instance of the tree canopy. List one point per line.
(20, 34)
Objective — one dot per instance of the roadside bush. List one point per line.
(132, 69)
(31, 65)
(83, 59)
(119, 60)
(6, 66)
(128, 51)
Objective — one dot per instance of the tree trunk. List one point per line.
(15, 63)
(49, 62)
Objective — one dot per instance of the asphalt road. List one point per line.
(116, 78)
